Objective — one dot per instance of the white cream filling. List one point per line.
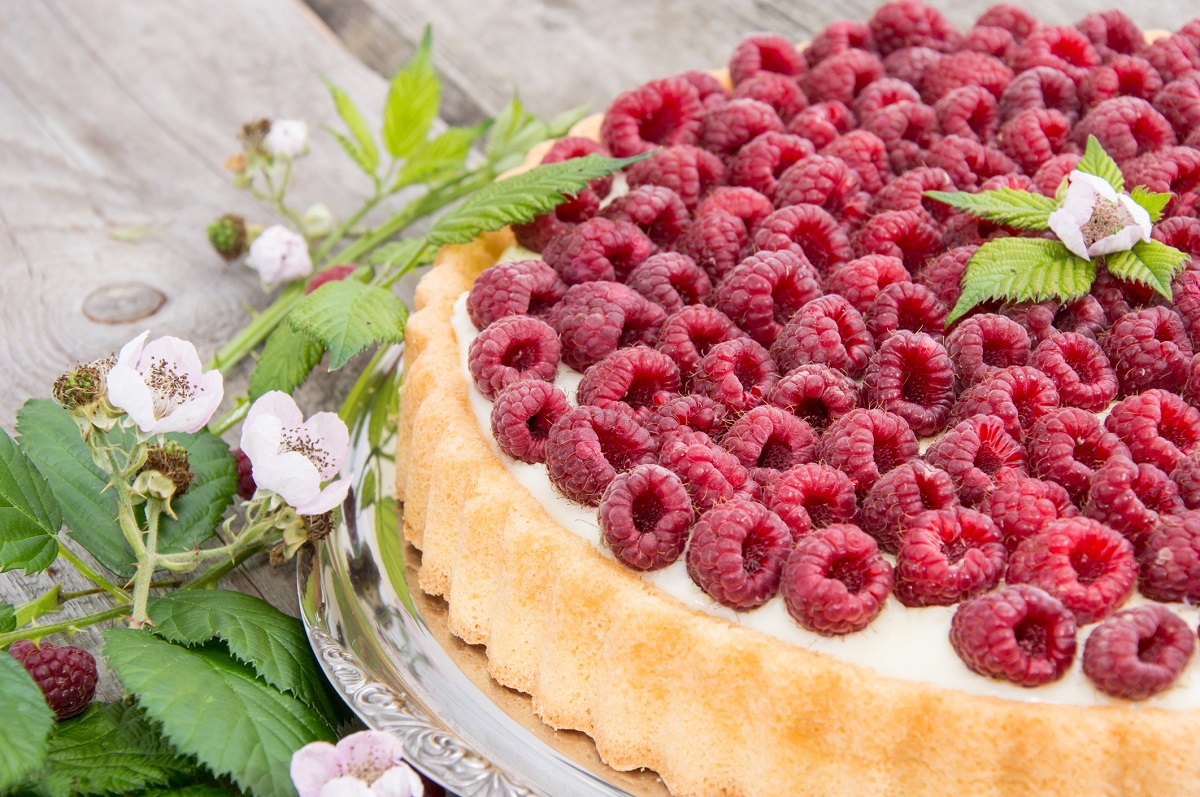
(902, 642)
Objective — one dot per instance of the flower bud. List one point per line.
(317, 221)
(252, 135)
(287, 138)
(228, 236)
(279, 255)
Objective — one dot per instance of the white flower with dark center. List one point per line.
(279, 255)
(161, 385)
(287, 138)
(292, 457)
(1095, 220)
(364, 764)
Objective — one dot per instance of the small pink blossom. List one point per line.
(279, 255)
(162, 386)
(287, 138)
(364, 764)
(1095, 220)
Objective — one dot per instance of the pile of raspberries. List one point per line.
(760, 321)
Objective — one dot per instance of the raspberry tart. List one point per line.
(698, 459)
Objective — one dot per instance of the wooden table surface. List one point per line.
(115, 118)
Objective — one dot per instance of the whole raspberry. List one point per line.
(1067, 445)
(966, 68)
(1014, 19)
(1130, 498)
(687, 170)
(969, 112)
(765, 290)
(656, 211)
(912, 376)
(911, 23)
(537, 233)
(1112, 32)
(906, 234)
(768, 441)
(331, 274)
(725, 128)
(1185, 290)
(1183, 234)
(943, 274)
(779, 91)
(859, 281)
(968, 162)
(717, 241)
(840, 77)
(990, 40)
(1187, 478)
(824, 181)
(519, 287)
(594, 319)
(737, 553)
(662, 113)
(588, 446)
(1179, 102)
(809, 230)
(1158, 427)
(1138, 652)
(1170, 564)
(712, 91)
(710, 474)
(822, 122)
(910, 64)
(883, 92)
(635, 380)
(1021, 507)
(1033, 137)
(1119, 297)
(1191, 390)
(906, 129)
(1017, 396)
(689, 334)
(760, 163)
(670, 280)
(1124, 75)
(245, 472)
(737, 374)
(571, 147)
(1082, 562)
(1148, 349)
(827, 331)
(866, 153)
(809, 497)
(905, 306)
(1080, 371)
(764, 52)
(836, 582)
(1017, 633)
(1173, 56)
(979, 455)
(522, 417)
(837, 37)
(1040, 87)
(1062, 48)
(817, 394)
(598, 249)
(1126, 127)
(983, 344)
(1050, 175)
(66, 675)
(1171, 170)
(698, 413)
(510, 349)
(947, 556)
(644, 517)
(901, 495)
(865, 444)
(1084, 315)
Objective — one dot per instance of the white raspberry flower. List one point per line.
(279, 255)
(1095, 220)
(288, 138)
(162, 387)
(364, 764)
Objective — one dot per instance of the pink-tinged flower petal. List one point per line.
(290, 474)
(346, 787)
(131, 352)
(262, 434)
(127, 391)
(399, 781)
(191, 416)
(367, 754)
(279, 405)
(180, 353)
(333, 495)
(329, 432)
(313, 765)
(1067, 222)
(279, 255)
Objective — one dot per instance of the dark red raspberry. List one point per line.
(906, 129)
(1049, 177)
(1126, 127)
(808, 229)
(594, 319)
(737, 374)
(867, 154)
(588, 446)
(717, 241)
(1130, 498)
(968, 162)
(883, 92)
(1119, 297)
(66, 675)
(535, 235)
(943, 274)
(1021, 507)
(662, 113)
(698, 413)
(1062, 48)
(899, 496)
(712, 91)
(1159, 427)
(990, 40)
(331, 274)
(1018, 633)
(947, 556)
(983, 344)
(710, 473)
(827, 331)
(1040, 87)
(824, 181)
(837, 37)
(817, 394)
(1112, 32)
(1173, 57)
(1138, 652)
(727, 127)
(865, 444)
(859, 281)
(907, 234)
(670, 280)
(905, 305)
(1170, 564)
(510, 349)
(1067, 445)
(571, 147)
(1181, 233)
(910, 64)
(519, 287)
(912, 376)
(810, 497)
(765, 290)
(1149, 348)
(1179, 102)
(689, 334)
(656, 211)
(966, 68)
(1171, 170)
(761, 162)
(688, 171)
(978, 454)
(1082, 562)
(1187, 478)
(522, 417)
(635, 380)
(747, 204)
(737, 553)
(836, 582)
(245, 472)
(840, 77)
(907, 192)
(1080, 370)
(1017, 21)
(821, 123)
(644, 517)
(911, 23)
(1191, 390)
(779, 91)
(1085, 316)
(598, 249)
(768, 441)
(1124, 75)
(764, 52)
(1033, 137)
(1017, 396)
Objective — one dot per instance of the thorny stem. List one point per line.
(66, 625)
(92, 575)
(146, 564)
(70, 596)
(214, 574)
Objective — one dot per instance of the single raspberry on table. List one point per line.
(1062, 48)
(658, 212)
(840, 77)
(519, 287)
(510, 349)
(661, 113)
(1123, 75)
(984, 344)
(1159, 427)
(912, 376)
(726, 128)
(969, 112)
(826, 331)
(588, 446)
(687, 170)
(821, 123)
(522, 417)
(765, 52)
(66, 675)
(1017, 21)
(817, 394)
(905, 306)
(809, 230)
(867, 443)
(866, 153)
(1138, 652)
(245, 472)
(968, 162)
(1017, 396)
(644, 516)
(1173, 56)
(1187, 478)
(906, 130)
(747, 204)
(901, 495)
(910, 64)
(824, 181)
(943, 274)
(1033, 137)
(1170, 563)
(965, 68)
(812, 496)
(881, 93)
(1018, 633)
(1021, 507)
(860, 281)
(907, 234)
(1040, 87)
(911, 23)
(947, 556)
(990, 40)
(688, 334)
(737, 374)
(594, 319)
(1112, 32)
(764, 159)
(837, 37)
(1050, 174)
(1126, 127)
(835, 581)
(767, 441)
(670, 280)
(1149, 349)
(717, 241)
(635, 380)
(1082, 562)
(979, 455)
(1067, 445)
(737, 552)
(1131, 498)
(1079, 369)
(781, 92)
(764, 291)
(598, 249)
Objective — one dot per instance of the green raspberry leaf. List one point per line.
(1009, 206)
(255, 632)
(1096, 161)
(286, 361)
(8, 617)
(362, 149)
(226, 717)
(26, 725)
(412, 101)
(440, 157)
(521, 198)
(1148, 262)
(408, 250)
(29, 514)
(1023, 269)
(347, 317)
(1152, 201)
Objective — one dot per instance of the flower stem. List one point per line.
(65, 625)
(257, 330)
(210, 577)
(146, 564)
(230, 419)
(337, 235)
(92, 575)
(70, 596)
(129, 526)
